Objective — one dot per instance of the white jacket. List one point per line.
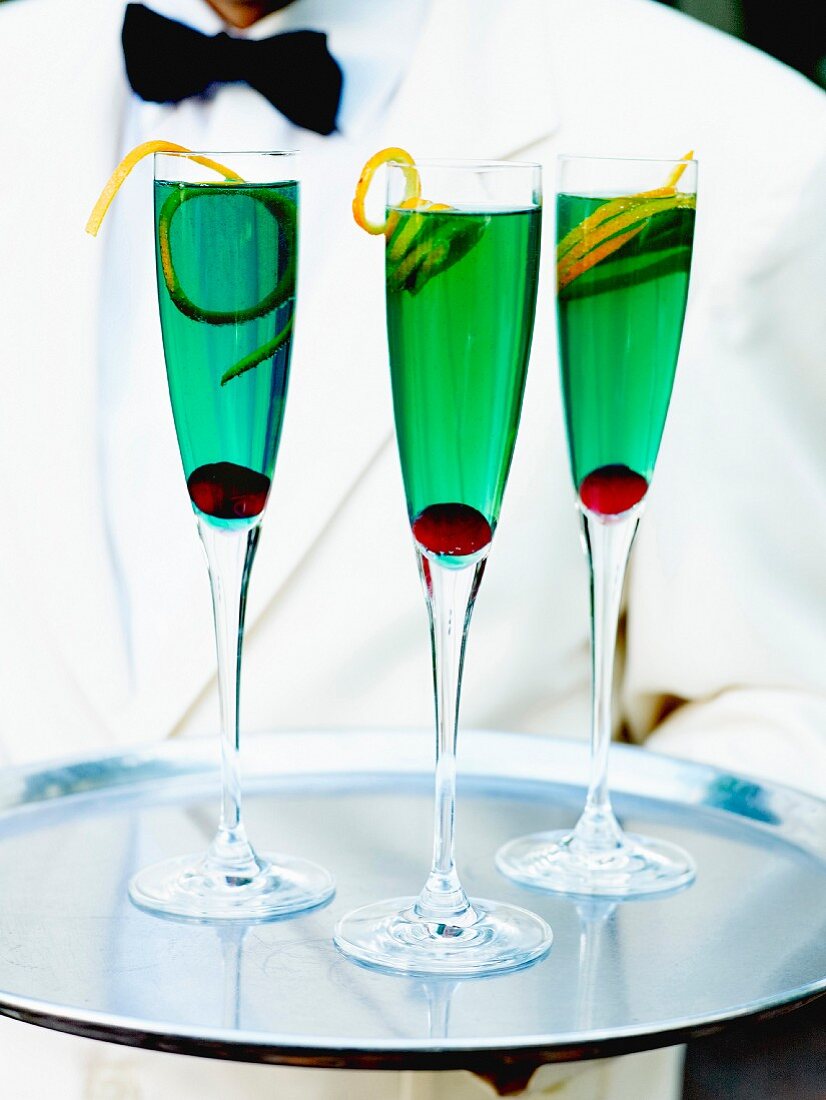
(726, 624)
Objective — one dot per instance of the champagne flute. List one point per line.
(625, 232)
(461, 279)
(226, 264)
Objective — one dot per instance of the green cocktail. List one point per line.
(620, 322)
(459, 331)
(625, 230)
(226, 261)
(461, 283)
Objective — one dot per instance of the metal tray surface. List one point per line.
(748, 938)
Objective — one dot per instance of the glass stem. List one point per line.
(450, 594)
(229, 557)
(608, 545)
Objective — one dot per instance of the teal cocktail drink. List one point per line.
(620, 323)
(459, 339)
(461, 283)
(227, 253)
(625, 233)
(226, 262)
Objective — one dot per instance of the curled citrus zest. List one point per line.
(599, 235)
(284, 213)
(399, 243)
(115, 181)
(410, 204)
(436, 245)
(398, 275)
(609, 237)
(412, 189)
(418, 248)
(594, 257)
(260, 355)
(611, 209)
(283, 210)
(414, 254)
(392, 219)
(677, 174)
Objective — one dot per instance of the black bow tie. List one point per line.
(167, 61)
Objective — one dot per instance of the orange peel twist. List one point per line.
(282, 209)
(146, 149)
(419, 249)
(413, 185)
(605, 231)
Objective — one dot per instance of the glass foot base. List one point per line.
(196, 889)
(390, 936)
(562, 863)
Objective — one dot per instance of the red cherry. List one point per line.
(611, 490)
(228, 491)
(453, 529)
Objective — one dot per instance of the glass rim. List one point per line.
(190, 153)
(627, 160)
(464, 163)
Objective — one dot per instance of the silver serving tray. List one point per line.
(747, 939)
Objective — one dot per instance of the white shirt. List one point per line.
(152, 539)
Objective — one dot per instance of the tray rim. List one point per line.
(415, 1054)
(194, 762)
(196, 768)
